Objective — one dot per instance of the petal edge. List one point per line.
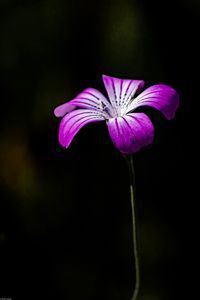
(160, 96)
(73, 122)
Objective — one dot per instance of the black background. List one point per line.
(65, 217)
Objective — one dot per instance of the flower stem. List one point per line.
(132, 188)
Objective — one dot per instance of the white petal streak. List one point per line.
(160, 96)
(131, 132)
(74, 121)
(120, 91)
(91, 99)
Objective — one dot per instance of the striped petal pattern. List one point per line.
(89, 99)
(74, 121)
(131, 132)
(120, 91)
(160, 96)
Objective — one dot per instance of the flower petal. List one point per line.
(62, 109)
(120, 91)
(161, 97)
(131, 132)
(74, 121)
(89, 98)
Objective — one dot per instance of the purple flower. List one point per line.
(129, 130)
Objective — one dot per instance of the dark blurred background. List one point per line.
(65, 216)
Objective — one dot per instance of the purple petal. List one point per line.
(74, 121)
(161, 97)
(62, 109)
(131, 132)
(120, 91)
(89, 98)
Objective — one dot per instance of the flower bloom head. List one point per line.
(129, 130)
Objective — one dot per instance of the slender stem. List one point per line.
(132, 187)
